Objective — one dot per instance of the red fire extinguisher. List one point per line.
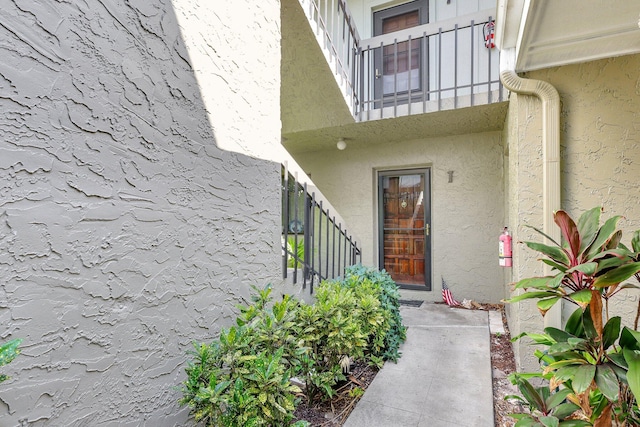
(504, 249)
(489, 32)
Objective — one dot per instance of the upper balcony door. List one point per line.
(398, 67)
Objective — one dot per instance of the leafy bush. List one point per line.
(8, 352)
(392, 333)
(244, 377)
(593, 363)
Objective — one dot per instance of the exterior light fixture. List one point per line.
(341, 144)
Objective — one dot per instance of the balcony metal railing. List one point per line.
(431, 67)
(428, 68)
(314, 245)
(333, 25)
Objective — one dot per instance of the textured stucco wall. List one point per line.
(467, 214)
(600, 148)
(125, 231)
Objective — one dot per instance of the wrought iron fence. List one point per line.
(315, 246)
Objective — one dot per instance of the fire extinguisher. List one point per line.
(489, 32)
(504, 249)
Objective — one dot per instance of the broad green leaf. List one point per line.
(537, 338)
(635, 241)
(578, 343)
(554, 252)
(569, 231)
(557, 398)
(563, 410)
(559, 350)
(618, 360)
(555, 265)
(607, 264)
(549, 421)
(566, 373)
(587, 324)
(530, 295)
(611, 332)
(530, 393)
(583, 378)
(629, 339)
(617, 275)
(582, 298)
(527, 422)
(632, 357)
(588, 224)
(603, 236)
(588, 268)
(574, 323)
(535, 282)
(575, 423)
(557, 334)
(545, 304)
(614, 242)
(577, 360)
(607, 382)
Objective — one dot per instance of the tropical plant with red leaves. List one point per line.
(594, 357)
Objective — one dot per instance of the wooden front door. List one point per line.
(404, 221)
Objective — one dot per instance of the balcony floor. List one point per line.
(455, 121)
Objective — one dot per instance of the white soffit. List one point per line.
(558, 32)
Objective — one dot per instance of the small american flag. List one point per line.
(447, 297)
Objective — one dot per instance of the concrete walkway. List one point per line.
(442, 379)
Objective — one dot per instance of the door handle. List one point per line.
(426, 230)
(377, 75)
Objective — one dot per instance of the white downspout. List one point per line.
(550, 152)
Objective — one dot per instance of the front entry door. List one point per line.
(405, 229)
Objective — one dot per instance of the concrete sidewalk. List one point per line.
(442, 379)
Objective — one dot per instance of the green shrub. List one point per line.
(244, 377)
(391, 332)
(332, 330)
(8, 352)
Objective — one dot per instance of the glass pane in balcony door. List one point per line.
(401, 64)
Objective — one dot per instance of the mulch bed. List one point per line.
(334, 413)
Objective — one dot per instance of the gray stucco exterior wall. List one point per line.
(125, 231)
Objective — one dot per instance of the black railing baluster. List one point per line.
(327, 257)
(312, 221)
(285, 216)
(296, 198)
(455, 67)
(472, 62)
(311, 232)
(440, 69)
(320, 243)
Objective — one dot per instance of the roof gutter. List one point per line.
(550, 151)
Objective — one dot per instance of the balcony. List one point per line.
(428, 68)
(332, 78)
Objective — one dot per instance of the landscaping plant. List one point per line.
(592, 365)
(244, 377)
(8, 352)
